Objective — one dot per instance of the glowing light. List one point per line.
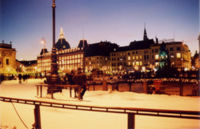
(157, 57)
(143, 69)
(178, 55)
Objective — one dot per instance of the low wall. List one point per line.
(141, 87)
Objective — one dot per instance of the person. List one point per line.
(20, 78)
(70, 78)
(1, 78)
(70, 81)
(80, 79)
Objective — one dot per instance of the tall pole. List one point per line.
(54, 66)
(199, 43)
(54, 78)
(53, 22)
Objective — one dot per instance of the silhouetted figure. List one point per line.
(20, 78)
(71, 80)
(80, 79)
(1, 78)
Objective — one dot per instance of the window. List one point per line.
(178, 55)
(172, 56)
(171, 49)
(7, 61)
(178, 48)
(156, 57)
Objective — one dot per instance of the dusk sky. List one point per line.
(25, 22)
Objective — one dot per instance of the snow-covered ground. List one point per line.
(52, 118)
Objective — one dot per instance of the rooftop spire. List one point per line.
(61, 33)
(145, 33)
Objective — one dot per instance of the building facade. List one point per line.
(144, 55)
(68, 58)
(148, 55)
(7, 58)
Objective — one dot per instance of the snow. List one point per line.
(54, 118)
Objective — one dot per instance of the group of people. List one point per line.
(24, 77)
(78, 78)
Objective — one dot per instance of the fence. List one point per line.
(131, 112)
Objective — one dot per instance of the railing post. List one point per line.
(37, 117)
(70, 92)
(37, 91)
(131, 121)
(40, 91)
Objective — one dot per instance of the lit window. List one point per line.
(140, 62)
(178, 55)
(156, 56)
(136, 57)
(133, 57)
(129, 58)
(156, 63)
(137, 63)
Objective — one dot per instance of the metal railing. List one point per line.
(123, 110)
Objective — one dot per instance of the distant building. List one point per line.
(27, 66)
(7, 58)
(67, 58)
(97, 56)
(144, 55)
(148, 55)
(196, 61)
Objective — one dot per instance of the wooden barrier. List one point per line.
(39, 88)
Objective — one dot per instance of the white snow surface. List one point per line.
(55, 118)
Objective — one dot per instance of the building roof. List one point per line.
(43, 51)
(28, 63)
(141, 44)
(123, 48)
(100, 49)
(82, 43)
(5, 45)
(62, 44)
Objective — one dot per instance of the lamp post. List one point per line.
(54, 66)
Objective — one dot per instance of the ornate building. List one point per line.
(67, 58)
(108, 57)
(7, 59)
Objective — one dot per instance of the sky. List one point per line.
(26, 22)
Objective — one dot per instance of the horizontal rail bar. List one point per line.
(123, 110)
